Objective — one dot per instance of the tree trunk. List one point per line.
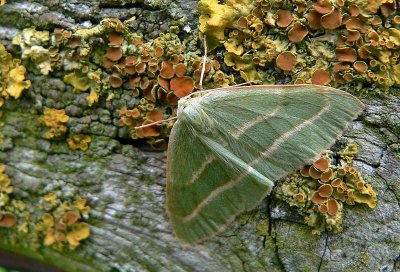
(124, 182)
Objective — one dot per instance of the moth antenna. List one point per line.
(221, 88)
(158, 122)
(203, 67)
(242, 84)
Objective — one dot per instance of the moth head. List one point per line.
(184, 102)
(181, 105)
(191, 112)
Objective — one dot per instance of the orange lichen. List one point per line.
(332, 20)
(314, 19)
(297, 32)
(325, 190)
(322, 208)
(128, 58)
(284, 18)
(326, 176)
(71, 217)
(154, 115)
(355, 24)
(332, 206)
(323, 6)
(115, 39)
(182, 86)
(115, 81)
(318, 199)
(305, 171)
(7, 220)
(253, 42)
(353, 35)
(322, 164)
(346, 54)
(140, 68)
(148, 131)
(340, 67)
(180, 69)
(164, 83)
(320, 77)
(158, 52)
(286, 61)
(114, 53)
(75, 42)
(167, 70)
(354, 10)
(360, 66)
(300, 197)
(314, 173)
(336, 182)
(55, 120)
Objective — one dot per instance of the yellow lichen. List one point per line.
(48, 222)
(5, 187)
(215, 18)
(12, 75)
(349, 152)
(7, 216)
(55, 120)
(79, 231)
(32, 44)
(62, 224)
(81, 83)
(79, 141)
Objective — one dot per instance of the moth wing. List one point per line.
(207, 186)
(278, 129)
(271, 129)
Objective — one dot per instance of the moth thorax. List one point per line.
(192, 113)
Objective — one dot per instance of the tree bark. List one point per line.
(125, 182)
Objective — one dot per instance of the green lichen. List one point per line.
(263, 227)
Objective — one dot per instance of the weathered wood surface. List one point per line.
(125, 184)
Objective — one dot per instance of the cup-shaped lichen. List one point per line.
(319, 191)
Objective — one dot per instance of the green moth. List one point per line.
(228, 147)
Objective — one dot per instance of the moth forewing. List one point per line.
(229, 145)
